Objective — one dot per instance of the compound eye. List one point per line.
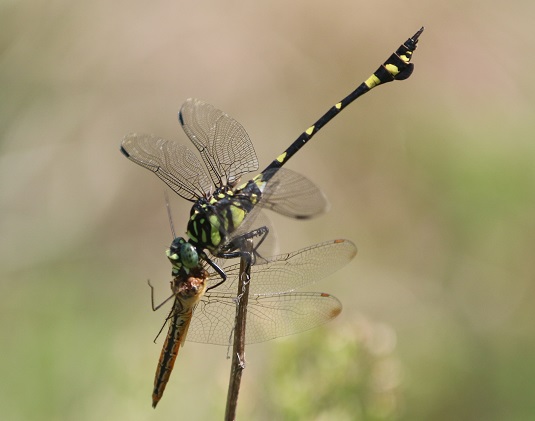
(176, 245)
(189, 256)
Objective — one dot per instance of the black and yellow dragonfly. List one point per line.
(223, 210)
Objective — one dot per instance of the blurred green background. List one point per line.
(432, 178)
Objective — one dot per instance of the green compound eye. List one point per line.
(189, 255)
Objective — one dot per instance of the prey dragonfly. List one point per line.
(201, 313)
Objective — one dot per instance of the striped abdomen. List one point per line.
(178, 326)
(188, 292)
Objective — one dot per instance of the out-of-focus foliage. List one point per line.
(432, 178)
(347, 372)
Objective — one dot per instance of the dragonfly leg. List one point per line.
(262, 233)
(220, 271)
(154, 308)
(234, 249)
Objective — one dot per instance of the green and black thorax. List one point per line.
(213, 220)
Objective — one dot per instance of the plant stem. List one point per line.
(238, 350)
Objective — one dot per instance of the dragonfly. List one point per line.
(223, 210)
(207, 315)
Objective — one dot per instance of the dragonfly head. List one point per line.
(183, 255)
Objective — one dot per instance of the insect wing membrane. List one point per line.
(223, 143)
(172, 162)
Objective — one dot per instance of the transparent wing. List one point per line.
(172, 162)
(290, 271)
(268, 316)
(293, 195)
(223, 143)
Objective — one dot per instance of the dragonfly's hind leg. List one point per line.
(234, 249)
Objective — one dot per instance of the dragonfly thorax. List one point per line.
(212, 221)
(205, 228)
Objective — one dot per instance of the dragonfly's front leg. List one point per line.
(154, 308)
(220, 271)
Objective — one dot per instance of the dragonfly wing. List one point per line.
(290, 271)
(172, 162)
(269, 245)
(293, 195)
(213, 319)
(223, 143)
(268, 316)
(275, 315)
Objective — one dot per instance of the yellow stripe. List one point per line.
(215, 238)
(338, 106)
(238, 215)
(405, 58)
(372, 81)
(309, 130)
(393, 70)
(281, 157)
(215, 235)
